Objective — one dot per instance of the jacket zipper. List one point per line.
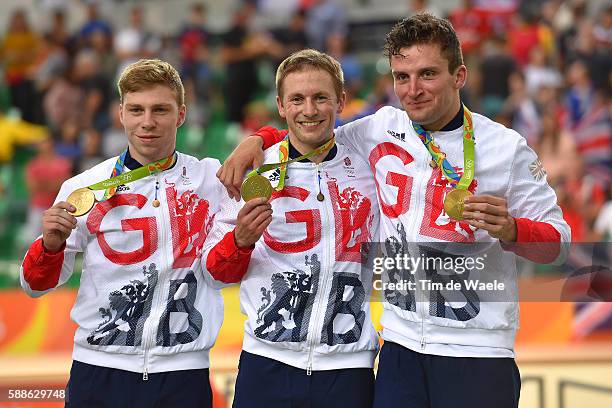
(325, 260)
(423, 340)
(149, 339)
(412, 230)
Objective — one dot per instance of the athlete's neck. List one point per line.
(297, 149)
(452, 120)
(133, 160)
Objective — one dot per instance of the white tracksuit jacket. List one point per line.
(411, 196)
(305, 293)
(143, 304)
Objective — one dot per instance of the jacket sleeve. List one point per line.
(222, 259)
(41, 268)
(364, 133)
(43, 271)
(270, 135)
(536, 241)
(226, 262)
(533, 203)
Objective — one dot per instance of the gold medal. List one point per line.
(83, 199)
(256, 186)
(433, 164)
(454, 202)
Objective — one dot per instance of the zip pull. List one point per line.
(145, 375)
(423, 343)
(156, 202)
(320, 196)
(309, 369)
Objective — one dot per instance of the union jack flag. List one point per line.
(537, 170)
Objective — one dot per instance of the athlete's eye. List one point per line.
(428, 74)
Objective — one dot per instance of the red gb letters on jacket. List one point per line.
(189, 219)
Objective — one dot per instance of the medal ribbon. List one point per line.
(283, 154)
(117, 170)
(118, 177)
(438, 156)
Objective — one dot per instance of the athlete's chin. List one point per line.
(413, 109)
(313, 137)
(313, 141)
(148, 149)
(419, 116)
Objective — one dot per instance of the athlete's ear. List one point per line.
(281, 108)
(460, 77)
(341, 102)
(182, 114)
(121, 113)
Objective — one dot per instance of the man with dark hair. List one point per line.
(426, 30)
(445, 176)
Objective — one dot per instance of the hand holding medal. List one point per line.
(255, 185)
(491, 214)
(57, 225)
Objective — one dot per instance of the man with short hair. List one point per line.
(146, 321)
(445, 176)
(309, 340)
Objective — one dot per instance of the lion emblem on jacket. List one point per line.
(287, 302)
(123, 319)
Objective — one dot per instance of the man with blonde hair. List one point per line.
(308, 334)
(146, 320)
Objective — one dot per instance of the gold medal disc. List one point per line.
(83, 199)
(453, 203)
(256, 186)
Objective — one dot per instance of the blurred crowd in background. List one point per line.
(542, 67)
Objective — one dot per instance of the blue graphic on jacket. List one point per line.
(394, 247)
(287, 306)
(439, 304)
(129, 308)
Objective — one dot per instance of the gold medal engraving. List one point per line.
(454, 202)
(83, 199)
(256, 186)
